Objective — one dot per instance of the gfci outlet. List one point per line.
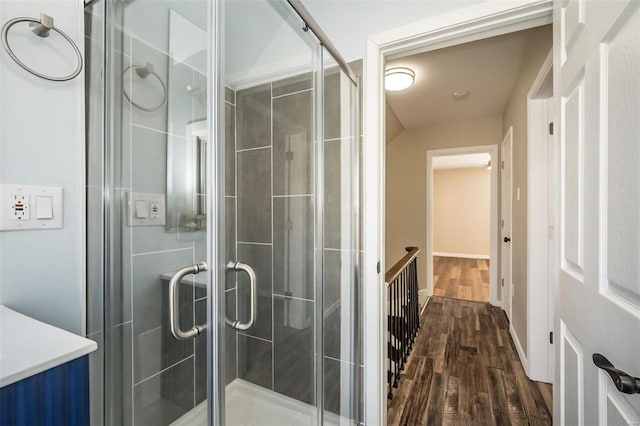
(146, 209)
(19, 208)
(24, 207)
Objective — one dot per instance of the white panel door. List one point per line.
(506, 289)
(597, 89)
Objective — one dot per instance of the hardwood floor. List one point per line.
(464, 370)
(459, 278)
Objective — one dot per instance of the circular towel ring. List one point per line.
(146, 70)
(5, 32)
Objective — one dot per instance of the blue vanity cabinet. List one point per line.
(44, 373)
(58, 396)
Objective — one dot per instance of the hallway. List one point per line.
(464, 370)
(460, 278)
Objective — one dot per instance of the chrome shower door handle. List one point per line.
(253, 283)
(174, 303)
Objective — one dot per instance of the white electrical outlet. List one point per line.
(19, 208)
(146, 209)
(24, 207)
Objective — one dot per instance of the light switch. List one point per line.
(25, 207)
(145, 209)
(142, 210)
(44, 207)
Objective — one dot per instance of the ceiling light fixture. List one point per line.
(398, 78)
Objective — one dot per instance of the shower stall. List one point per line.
(223, 151)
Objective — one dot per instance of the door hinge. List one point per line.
(551, 337)
(551, 128)
(502, 281)
(378, 267)
(502, 223)
(503, 165)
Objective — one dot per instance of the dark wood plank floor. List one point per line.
(464, 370)
(466, 279)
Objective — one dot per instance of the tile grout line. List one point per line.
(147, 253)
(253, 149)
(164, 370)
(290, 93)
(273, 349)
(254, 337)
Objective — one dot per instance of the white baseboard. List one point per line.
(462, 255)
(521, 354)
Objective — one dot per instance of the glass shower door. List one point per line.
(154, 197)
(271, 75)
(290, 213)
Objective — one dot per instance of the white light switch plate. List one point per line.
(12, 218)
(154, 211)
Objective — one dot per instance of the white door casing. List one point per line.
(597, 81)
(540, 280)
(494, 243)
(483, 20)
(506, 288)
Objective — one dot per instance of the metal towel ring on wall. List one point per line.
(144, 72)
(41, 28)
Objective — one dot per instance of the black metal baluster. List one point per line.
(397, 334)
(416, 306)
(405, 311)
(415, 268)
(410, 309)
(389, 340)
(411, 312)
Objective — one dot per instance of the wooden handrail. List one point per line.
(395, 270)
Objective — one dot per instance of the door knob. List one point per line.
(507, 239)
(623, 381)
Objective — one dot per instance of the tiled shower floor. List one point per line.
(251, 405)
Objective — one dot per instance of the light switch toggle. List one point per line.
(142, 209)
(44, 207)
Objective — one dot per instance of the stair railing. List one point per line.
(403, 314)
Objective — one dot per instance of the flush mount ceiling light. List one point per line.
(398, 78)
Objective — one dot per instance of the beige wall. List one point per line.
(393, 126)
(515, 115)
(462, 211)
(406, 186)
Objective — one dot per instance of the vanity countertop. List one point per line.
(28, 346)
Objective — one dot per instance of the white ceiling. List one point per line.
(461, 161)
(487, 69)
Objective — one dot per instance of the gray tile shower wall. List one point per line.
(274, 149)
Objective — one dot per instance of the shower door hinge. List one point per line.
(551, 337)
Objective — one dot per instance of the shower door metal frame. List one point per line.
(215, 220)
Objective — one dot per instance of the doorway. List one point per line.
(461, 223)
(474, 23)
